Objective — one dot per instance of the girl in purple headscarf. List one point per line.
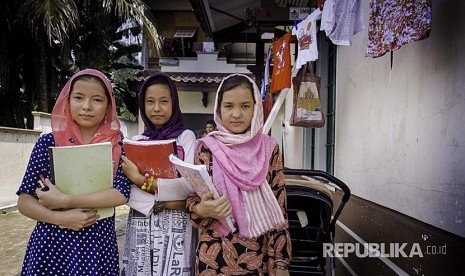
(159, 239)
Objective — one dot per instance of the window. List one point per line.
(184, 33)
(184, 42)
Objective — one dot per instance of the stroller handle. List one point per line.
(332, 179)
(325, 175)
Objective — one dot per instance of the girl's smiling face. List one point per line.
(237, 106)
(158, 104)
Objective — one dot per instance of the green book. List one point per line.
(83, 169)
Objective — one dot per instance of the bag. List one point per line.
(281, 77)
(306, 109)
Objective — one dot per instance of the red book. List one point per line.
(152, 156)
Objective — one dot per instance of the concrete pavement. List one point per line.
(14, 235)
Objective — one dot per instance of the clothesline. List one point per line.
(392, 24)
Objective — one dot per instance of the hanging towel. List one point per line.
(281, 77)
(348, 21)
(328, 20)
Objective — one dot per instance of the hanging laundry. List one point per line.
(265, 89)
(321, 4)
(267, 106)
(348, 20)
(266, 75)
(306, 35)
(394, 23)
(328, 19)
(281, 77)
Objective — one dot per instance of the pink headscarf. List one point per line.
(67, 133)
(240, 167)
(226, 136)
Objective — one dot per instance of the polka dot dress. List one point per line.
(55, 251)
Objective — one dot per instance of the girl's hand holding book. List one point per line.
(77, 219)
(53, 198)
(213, 208)
(132, 172)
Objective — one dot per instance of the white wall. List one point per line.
(293, 137)
(191, 102)
(15, 148)
(205, 63)
(400, 133)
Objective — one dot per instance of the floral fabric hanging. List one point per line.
(394, 23)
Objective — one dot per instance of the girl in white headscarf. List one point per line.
(247, 170)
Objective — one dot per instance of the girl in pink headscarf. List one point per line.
(72, 241)
(247, 170)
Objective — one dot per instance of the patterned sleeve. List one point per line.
(39, 163)
(202, 156)
(280, 248)
(121, 182)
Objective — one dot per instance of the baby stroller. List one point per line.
(310, 206)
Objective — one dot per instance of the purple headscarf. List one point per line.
(174, 126)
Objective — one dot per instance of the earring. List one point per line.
(105, 119)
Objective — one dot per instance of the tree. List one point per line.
(54, 39)
(14, 98)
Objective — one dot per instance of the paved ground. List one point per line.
(14, 235)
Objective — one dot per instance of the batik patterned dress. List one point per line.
(234, 254)
(59, 251)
